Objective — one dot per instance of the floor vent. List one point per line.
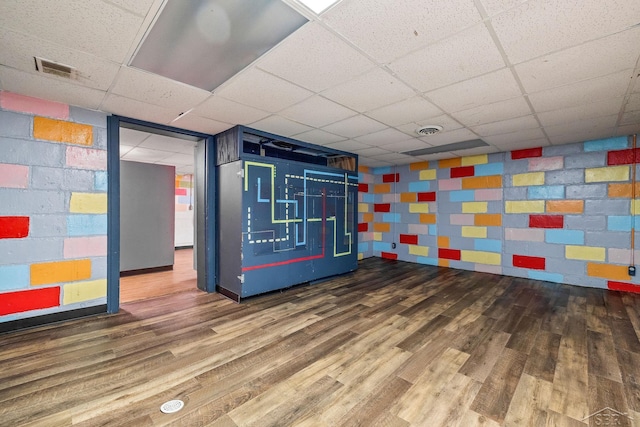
(172, 406)
(60, 70)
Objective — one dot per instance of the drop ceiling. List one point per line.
(144, 147)
(362, 76)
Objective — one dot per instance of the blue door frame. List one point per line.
(113, 201)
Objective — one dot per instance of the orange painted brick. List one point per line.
(419, 166)
(62, 271)
(382, 188)
(61, 131)
(623, 190)
(382, 227)
(364, 169)
(450, 163)
(476, 182)
(443, 262)
(608, 271)
(443, 241)
(427, 218)
(565, 206)
(367, 217)
(494, 220)
(408, 197)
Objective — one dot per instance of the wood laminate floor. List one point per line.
(393, 344)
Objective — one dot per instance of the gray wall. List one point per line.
(147, 215)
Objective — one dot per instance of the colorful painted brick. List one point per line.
(494, 220)
(481, 257)
(479, 182)
(408, 197)
(363, 227)
(565, 206)
(623, 157)
(462, 171)
(527, 179)
(363, 188)
(388, 255)
(84, 291)
(608, 271)
(427, 175)
(85, 158)
(62, 131)
(418, 208)
(452, 254)
(32, 299)
(533, 262)
(427, 197)
(427, 218)
(409, 239)
(382, 227)
(474, 232)
(14, 227)
(546, 221)
(391, 177)
(450, 163)
(624, 287)
(382, 188)
(88, 203)
(61, 271)
(525, 206)
(419, 250)
(611, 173)
(382, 207)
(585, 253)
(474, 207)
(418, 166)
(14, 176)
(474, 160)
(526, 153)
(35, 106)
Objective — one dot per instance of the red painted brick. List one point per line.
(14, 227)
(391, 177)
(409, 239)
(363, 188)
(546, 221)
(526, 153)
(382, 207)
(21, 301)
(622, 157)
(427, 197)
(388, 255)
(363, 226)
(463, 171)
(533, 262)
(622, 286)
(445, 253)
(181, 191)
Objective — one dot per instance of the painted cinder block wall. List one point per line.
(562, 214)
(53, 207)
(365, 212)
(184, 211)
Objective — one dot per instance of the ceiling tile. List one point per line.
(314, 58)
(408, 145)
(317, 136)
(541, 26)
(447, 123)
(476, 92)
(122, 106)
(223, 110)
(104, 30)
(18, 51)
(633, 104)
(630, 118)
(185, 170)
(583, 92)
(166, 143)
(373, 163)
(259, 89)
(493, 7)
(409, 110)
(132, 137)
(506, 126)
(400, 26)
(280, 126)
(628, 129)
(371, 151)
(513, 137)
(395, 158)
(502, 110)
(146, 155)
(506, 145)
(478, 150)
(586, 61)
(139, 7)
(200, 124)
(349, 145)
(52, 88)
(605, 107)
(179, 160)
(383, 137)
(355, 126)
(580, 126)
(317, 112)
(124, 149)
(460, 57)
(582, 135)
(448, 137)
(370, 91)
(157, 90)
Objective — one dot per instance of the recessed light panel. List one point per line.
(205, 42)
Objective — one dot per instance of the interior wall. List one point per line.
(562, 214)
(147, 215)
(53, 222)
(365, 212)
(184, 200)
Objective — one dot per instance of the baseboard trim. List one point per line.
(32, 322)
(146, 270)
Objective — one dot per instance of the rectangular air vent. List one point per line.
(464, 145)
(57, 69)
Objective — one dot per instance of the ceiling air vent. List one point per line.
(60, 70)
(428, 130)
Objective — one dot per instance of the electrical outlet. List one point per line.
(393, 246)
(632, 270)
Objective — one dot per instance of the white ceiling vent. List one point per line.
(57, 69)
(428, 130)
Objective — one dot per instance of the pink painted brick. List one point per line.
(366, 178)
(488, 194)
(461, 219)
(390, 198)
(546, 163)
(14, 176)
(80, 247)
(40, 107)
(620, 256)
(449, 184)
(526, 234)
(493, 269)
(86, 158)
(418, 229)
(365, 237)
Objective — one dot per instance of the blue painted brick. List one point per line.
(433, 230)
(565, 237)
(489, 169)
(381, 170)
(619, 223)
(368, 197)
(462, 196)
(547, 192)
(391, 217)
(14, 277)
(382, 246)
(488, 245)
(426, 261)
(617, 143)
(419, 186)
(363, 247)
(86, 225)
(547, 277)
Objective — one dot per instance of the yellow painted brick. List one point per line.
(524, 206)
(474, 232)
(611, 173)
(481, 257)
(480, 159)
(525, 179)
(91, 203)
(418, 207)
(585, 253)
(84, 291)
(635, 207)
(474, 207)
(377, 237)
(360, 256)
(418, 250)
(363, 207)
(428, 174)
(61, 131)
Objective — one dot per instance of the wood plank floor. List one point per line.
(393, 344)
